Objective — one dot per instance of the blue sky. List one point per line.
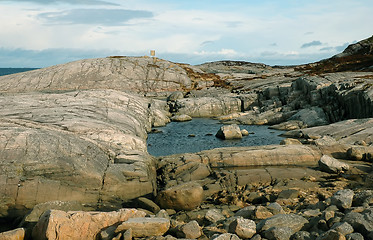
(40, 33)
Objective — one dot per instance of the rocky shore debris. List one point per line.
(73, 150)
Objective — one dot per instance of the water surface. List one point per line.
(199, 134)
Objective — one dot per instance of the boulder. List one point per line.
(175, 96)
(145, 226)
(57, 224)
(343, 198)
(361, 222)
(181, 118)
(278, 233)
(186, 196)
(190, 230)
(228, 132)
(343, 227)
(16, 234)
(332, 165)
(360, 153)
(244, 228)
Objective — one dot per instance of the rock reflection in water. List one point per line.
(176, 137)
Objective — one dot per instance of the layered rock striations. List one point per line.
(77, 132)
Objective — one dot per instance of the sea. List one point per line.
(7, 71)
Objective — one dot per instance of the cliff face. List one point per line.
(356, 57)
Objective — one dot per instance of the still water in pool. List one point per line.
(199, 134)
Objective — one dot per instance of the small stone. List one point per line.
(214, 215)
(225, 236)
(290, 141)
(275, 208)
(262, 213)
(302, 235)
(246, 212)
(147, 204)
(354, 236)
(244, 132)
(163, 214)
(108, 233)
(278, 233)
(190, 230)
(343, 227)
(288, 194)
(244, 228)
(127, 235)
(343, 198)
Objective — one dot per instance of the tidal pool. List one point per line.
(199, 134)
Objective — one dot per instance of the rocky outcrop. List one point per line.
(88, 146)
(207, 106)
(133, 74)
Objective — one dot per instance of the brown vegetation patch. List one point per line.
(340, 64)
(199, 76)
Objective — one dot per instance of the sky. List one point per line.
(41, 33)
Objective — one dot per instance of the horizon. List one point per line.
(40, 33)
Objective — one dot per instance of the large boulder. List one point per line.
(57, 224)
(186, 196)
(229, 132)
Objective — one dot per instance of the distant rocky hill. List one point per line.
(356, 57)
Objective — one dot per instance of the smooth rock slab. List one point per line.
(145, 226)
(57, 224)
